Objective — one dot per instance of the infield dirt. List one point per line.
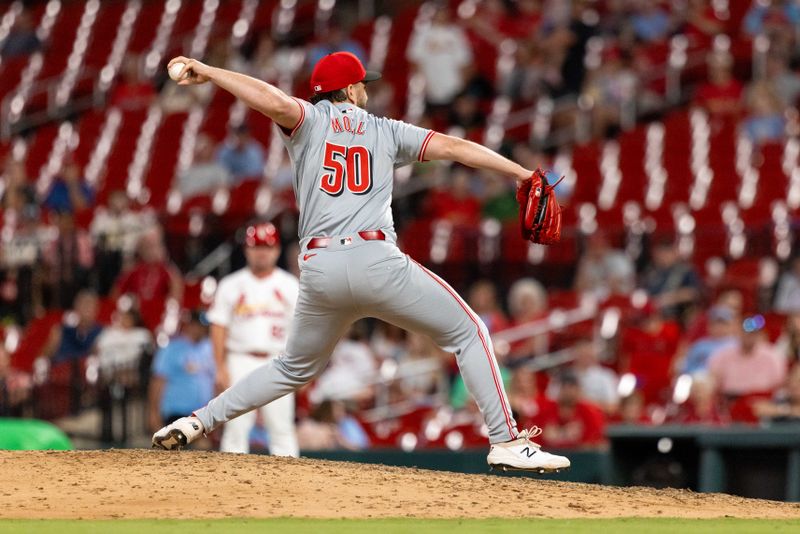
(197, 485)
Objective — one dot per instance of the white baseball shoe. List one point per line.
(524, 454)
(178, 434)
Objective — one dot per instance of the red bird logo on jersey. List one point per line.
(244, 310)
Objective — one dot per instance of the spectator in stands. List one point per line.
(721, 332)
(483, 301)
(787, 294)
(535, 73)
(576, 423)
(499, 200)
(121, 346)
(598, 383)
(788, 343)
(775, 19)
(336, 39)
(455, 202)
(632, 410)
(206, 175)
(19, 195)
(568, 41)
(650, 21)
(22, 39)
(701, 406)
(527, 303)
(530, 406)
(269, 60)
(67, 262)
(116, 230)
(352, 370)
(183, 373)
(785, 405)
(721, 96)
(765, 121)
(703, 23)
(647, 351)
(242, 155)
(611, 86)
(20, 290)
(441, 52)
(388, 342)
(15, 387)
(466, 114)
(785, 81)
(421, 369)
(133, 91)
(603, 271)
(76, 337)
(730, 298)
(749, 366)
(331, 427)
(153, 278)
(671, 282)
(69, 192)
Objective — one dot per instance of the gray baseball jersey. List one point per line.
(344, 159)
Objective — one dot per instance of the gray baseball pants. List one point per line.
(352, 279)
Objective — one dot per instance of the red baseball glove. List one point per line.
(539, 211)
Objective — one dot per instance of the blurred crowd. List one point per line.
(682, 349)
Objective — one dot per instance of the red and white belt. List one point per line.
(366, 235)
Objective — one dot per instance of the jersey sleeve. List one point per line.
(309, 117)
(410, 142)
(221, 309)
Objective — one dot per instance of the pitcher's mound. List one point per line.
(161, 484)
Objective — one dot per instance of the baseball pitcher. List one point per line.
(344, 160)
(250, 320)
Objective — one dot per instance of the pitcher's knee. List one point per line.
(302, 373)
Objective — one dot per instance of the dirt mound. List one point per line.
(160, 484)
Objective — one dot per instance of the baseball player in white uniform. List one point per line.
(250, 319)
(344, 160)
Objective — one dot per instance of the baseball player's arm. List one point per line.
(447, 147)
(258, 95)
(219, 334)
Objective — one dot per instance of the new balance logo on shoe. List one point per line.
(528, 451)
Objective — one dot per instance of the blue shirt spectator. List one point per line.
(721, 326)
(241, 155)
(651, 24)
(69, 193)
(75, 338)
(184, 371)
(760, 16)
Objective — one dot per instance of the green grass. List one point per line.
(398, 526)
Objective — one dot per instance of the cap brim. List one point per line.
(371, 76)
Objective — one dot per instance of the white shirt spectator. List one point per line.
(351, 373)
(120, 348)
(441, 51)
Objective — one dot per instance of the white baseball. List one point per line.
(175, 70)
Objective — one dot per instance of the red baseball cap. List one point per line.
(262, 235)
(338, 70)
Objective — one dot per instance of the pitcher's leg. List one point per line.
(312, 336)
(279, 420)
(416, 299)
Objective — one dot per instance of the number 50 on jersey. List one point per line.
(345, 166)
